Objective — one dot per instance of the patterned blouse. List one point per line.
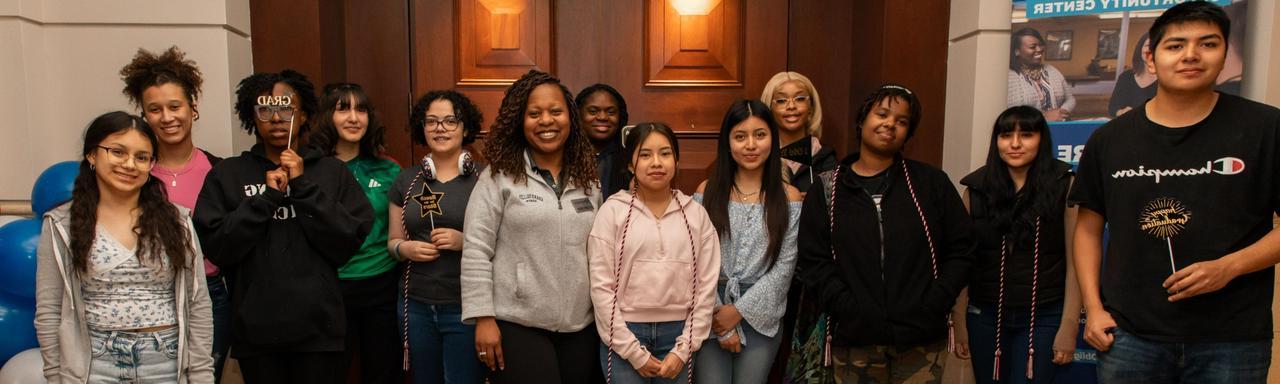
(743, 263)
(120, 292)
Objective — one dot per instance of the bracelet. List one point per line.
(398, 248)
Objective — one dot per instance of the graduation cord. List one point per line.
(408, 267)
(617, 277)
(1035, 285)
(933, 253)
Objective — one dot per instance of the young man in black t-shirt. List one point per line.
(1187, 185)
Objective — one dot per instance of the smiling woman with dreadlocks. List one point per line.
(524, 267)
(884, 248)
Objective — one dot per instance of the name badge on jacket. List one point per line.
(582, 204)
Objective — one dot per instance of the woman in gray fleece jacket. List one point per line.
(120, 287)
(524, 257)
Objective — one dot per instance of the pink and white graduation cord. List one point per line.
(1035, 285)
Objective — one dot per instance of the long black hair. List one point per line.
(1038, 197)
(338, 96)
(773, 192)
(161, 229)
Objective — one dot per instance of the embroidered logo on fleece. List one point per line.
(1224, 166)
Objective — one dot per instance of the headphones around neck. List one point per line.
(466, 165)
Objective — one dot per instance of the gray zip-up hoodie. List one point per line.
(59, 316)
(524, 257)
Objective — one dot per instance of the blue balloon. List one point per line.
(17, 330)
(18, 242)
(53, 187)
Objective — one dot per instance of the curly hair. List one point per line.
(161, 229)
(337, 96)
(463, 109)
(149, 70)
(261, 83)
(506, 145)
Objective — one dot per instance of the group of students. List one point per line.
(566, 255)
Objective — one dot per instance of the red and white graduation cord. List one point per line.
(617, 277)
(1035, 285)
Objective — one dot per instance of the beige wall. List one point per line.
(61, 63)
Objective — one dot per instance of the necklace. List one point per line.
(174, 175)
(744, 197)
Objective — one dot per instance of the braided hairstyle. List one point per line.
(169, 67)
(507, 144)
(161, 229)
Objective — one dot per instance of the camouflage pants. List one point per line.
(883, 365)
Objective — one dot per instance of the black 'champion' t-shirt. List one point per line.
(1196, 193)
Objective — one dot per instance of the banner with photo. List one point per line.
(1081, 62)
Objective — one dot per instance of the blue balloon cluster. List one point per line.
(18, 242)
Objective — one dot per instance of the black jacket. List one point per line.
(890, 300)
(824, 160)
(284, 249)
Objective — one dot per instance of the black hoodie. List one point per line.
(284, 248)
(888, 298)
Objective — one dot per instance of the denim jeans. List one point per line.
(133, 357)
(220, 298)
(441, 348)
(981, 321)
(1133, 360)
(658, 338)
(752, 365)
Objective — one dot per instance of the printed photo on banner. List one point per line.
(1082, 62)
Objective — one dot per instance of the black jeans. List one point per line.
(372, 330)
(534, 355)
(294, 367)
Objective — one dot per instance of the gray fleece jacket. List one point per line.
(59, 315)
(524, 257)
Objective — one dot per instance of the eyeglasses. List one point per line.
(449, 124)
(120, 156)
(266, 111)
(802, 99)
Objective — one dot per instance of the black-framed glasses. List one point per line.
(266, 111)
(120, 156)
(449, 124)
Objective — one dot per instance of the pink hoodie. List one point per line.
(657, 274)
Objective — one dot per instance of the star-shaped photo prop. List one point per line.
(429, 201)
